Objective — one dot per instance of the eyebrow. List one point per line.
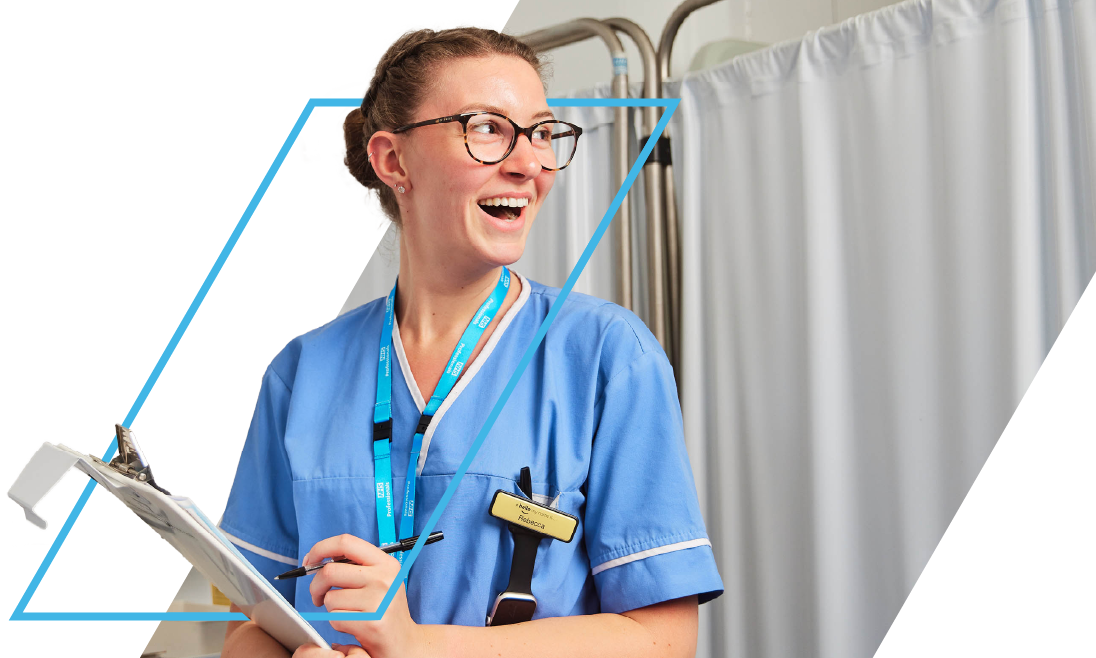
(543, 114)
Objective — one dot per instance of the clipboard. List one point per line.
(178, 520)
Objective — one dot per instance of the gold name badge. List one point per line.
(536, 517)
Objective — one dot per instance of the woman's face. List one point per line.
(443, 218)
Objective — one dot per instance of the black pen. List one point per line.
(401, 545)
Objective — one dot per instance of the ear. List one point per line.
(386, 159)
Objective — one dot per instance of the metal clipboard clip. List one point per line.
(130, 461)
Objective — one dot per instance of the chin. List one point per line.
(503, 254)
(510, 258)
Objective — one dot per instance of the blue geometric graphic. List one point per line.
(79, 569)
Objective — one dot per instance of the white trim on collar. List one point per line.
(401, 356)
(466, 376)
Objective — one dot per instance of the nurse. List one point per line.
(456, 137)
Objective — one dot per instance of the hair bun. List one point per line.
(357, 159)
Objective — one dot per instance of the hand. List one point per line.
(363, 586)
(336, 651)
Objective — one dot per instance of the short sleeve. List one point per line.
(643, 529)
(260, 518)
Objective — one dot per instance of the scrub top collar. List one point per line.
(466, 376)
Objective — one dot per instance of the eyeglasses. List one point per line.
(490, 137)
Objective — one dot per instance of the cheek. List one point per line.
(544, 184)
(463, 184)
(451, 195)
(545, 181)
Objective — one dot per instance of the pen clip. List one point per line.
(325, 561)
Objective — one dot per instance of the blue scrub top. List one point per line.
(595, 416)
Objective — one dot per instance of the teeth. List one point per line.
(505, 201)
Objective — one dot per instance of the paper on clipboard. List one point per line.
(179, 521)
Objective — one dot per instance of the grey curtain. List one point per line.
(885, 225)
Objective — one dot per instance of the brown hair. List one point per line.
(403, 77)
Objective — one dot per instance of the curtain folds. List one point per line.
(884, 227)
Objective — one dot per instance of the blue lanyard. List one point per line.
(382, 412)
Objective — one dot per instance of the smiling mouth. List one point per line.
(502, 212)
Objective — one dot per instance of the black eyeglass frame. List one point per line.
(464, 117)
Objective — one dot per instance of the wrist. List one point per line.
(435, 641)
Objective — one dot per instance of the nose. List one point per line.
(522, 161)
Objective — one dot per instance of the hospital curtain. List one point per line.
(884, 226)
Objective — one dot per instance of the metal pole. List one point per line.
(669, 32)
(673, 259)
(673, 231)
(657, 283)
(579, 30)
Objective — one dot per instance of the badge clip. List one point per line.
(529, 523)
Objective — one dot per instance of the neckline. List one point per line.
(465, 378)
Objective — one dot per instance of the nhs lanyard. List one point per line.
(382, 412)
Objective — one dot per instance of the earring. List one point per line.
(400, 189)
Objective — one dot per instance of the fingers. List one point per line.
(355, 548)
(313, 651)
(364, 598)
(353, 600)
(350, 577)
